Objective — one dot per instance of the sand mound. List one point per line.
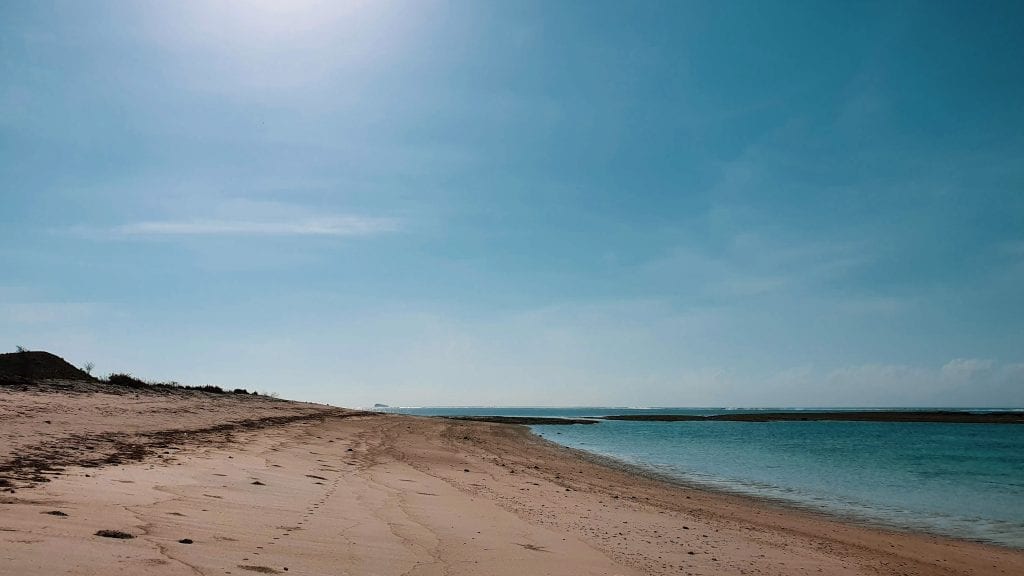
(38, 366)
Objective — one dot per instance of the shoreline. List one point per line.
(340, 491)
(751, 509)
(885, 514)
(783, 504)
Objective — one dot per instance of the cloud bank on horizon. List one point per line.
(538, 203)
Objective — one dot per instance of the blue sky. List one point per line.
(521, 203)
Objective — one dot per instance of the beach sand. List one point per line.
(224, 484)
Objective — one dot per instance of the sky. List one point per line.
(521, 203)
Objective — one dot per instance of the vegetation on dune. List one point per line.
(38, 365)
(26, 367)
(129, 381)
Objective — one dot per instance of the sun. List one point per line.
(264, 19)
(268, 44)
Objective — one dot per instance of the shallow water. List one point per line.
(962, 480)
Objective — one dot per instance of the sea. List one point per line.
(959, 480)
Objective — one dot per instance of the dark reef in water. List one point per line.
(529, 420)
(944, 416)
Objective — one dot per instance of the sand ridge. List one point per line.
(48, 426)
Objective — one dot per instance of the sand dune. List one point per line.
(218, 484)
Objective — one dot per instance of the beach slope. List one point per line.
(218, 484)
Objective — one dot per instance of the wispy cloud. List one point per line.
(323, 226)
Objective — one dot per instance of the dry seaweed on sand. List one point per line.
(114, 534)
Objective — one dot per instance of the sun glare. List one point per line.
(267, 43)
(274, 19)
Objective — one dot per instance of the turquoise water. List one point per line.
(961, 480)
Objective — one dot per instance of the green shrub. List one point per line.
(126, 380)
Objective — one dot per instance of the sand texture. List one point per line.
(217, 484)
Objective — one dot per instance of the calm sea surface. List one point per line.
(962, 480)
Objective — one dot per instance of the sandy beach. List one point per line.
(236, 484)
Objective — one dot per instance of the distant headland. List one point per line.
(940, 416)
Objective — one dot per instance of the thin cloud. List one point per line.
(329, 226)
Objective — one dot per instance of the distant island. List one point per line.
(940, 416)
